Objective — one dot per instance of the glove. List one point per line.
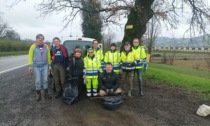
(145, 65)
(137, 61)
(111, 90)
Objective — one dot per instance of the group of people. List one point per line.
(99, 72)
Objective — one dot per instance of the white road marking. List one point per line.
(12, 68)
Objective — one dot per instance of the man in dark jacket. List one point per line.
(109, 81)
(60, 63)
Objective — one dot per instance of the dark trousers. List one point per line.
(81, 86)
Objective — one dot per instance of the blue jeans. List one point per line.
(41, 72)
(139, 74)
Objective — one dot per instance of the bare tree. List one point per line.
(3, 28)
(153, 30)
(108, 39)
(137, 12)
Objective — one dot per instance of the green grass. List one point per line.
(187, 78)
(13, 53)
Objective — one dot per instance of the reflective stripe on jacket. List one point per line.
(128, 60)
(91, 67)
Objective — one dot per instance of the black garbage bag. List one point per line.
(70, 94)
(112, 103)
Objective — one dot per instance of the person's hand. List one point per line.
(84, 77)
(111, 90)
(30, 70)
(53, 58)
(67, 68)
(50, 69)
(145, 65)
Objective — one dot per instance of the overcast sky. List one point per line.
(25, 20)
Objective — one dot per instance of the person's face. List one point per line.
(112, 48)
(108, 68)
(90, 53)
(95, 44)
(136, 42)
(77, 54)
(40, 40)
(127, 47)
(56, 42)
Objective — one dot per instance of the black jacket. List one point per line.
(109, 81)
(76, 66)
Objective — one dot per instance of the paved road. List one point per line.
(12, 62)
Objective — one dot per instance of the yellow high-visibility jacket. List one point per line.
(140, 56)
(114, 58)
(99, 53)
(91, 67)
(128, 60)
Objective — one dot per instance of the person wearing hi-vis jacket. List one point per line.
(92, 66)
(128, 66)
(141, 61)
(113, 56)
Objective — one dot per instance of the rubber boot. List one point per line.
(140, 90)
(58, 94)
(46, 95)
(88, 92)
(38, 95)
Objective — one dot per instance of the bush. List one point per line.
(8, 45)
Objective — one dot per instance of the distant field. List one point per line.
(182, 54)
(13, 53)
(187, 78)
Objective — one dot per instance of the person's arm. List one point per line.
(102, 55)
(48, 56)
(101, 83)
(84, 69)
(99, 65)
(119, 57)
(31, 55)
(106, 57)
(67, 58)
(30, 58)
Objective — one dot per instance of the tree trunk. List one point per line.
(138, 17)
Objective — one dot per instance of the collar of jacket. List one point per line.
(96, 49)
(112, 51)
(105, 73)
(92, 56)
(136, 47)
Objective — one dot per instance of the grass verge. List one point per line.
(13, 53)
(187, 78)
